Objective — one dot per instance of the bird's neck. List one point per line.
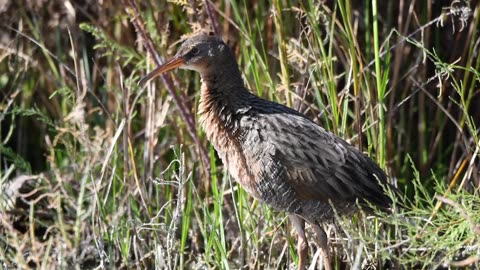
(223, 101)
(223, 91)
(226, 79)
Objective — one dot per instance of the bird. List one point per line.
(277, 154)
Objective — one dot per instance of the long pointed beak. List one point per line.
(171, 64)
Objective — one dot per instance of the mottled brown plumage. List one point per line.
(277, 154)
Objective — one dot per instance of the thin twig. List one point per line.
(212, 16)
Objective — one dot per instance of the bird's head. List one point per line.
(202, 53)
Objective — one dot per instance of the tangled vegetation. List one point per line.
(98, 173)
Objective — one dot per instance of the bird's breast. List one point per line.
(227, 137)
(230, 148)
(249, 156)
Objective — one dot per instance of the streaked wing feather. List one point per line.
(321, 166)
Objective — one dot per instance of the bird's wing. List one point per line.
(320, 166)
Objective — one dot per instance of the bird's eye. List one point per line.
(194, 51)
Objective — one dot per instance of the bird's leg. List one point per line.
(302, 245)
(323, 238)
